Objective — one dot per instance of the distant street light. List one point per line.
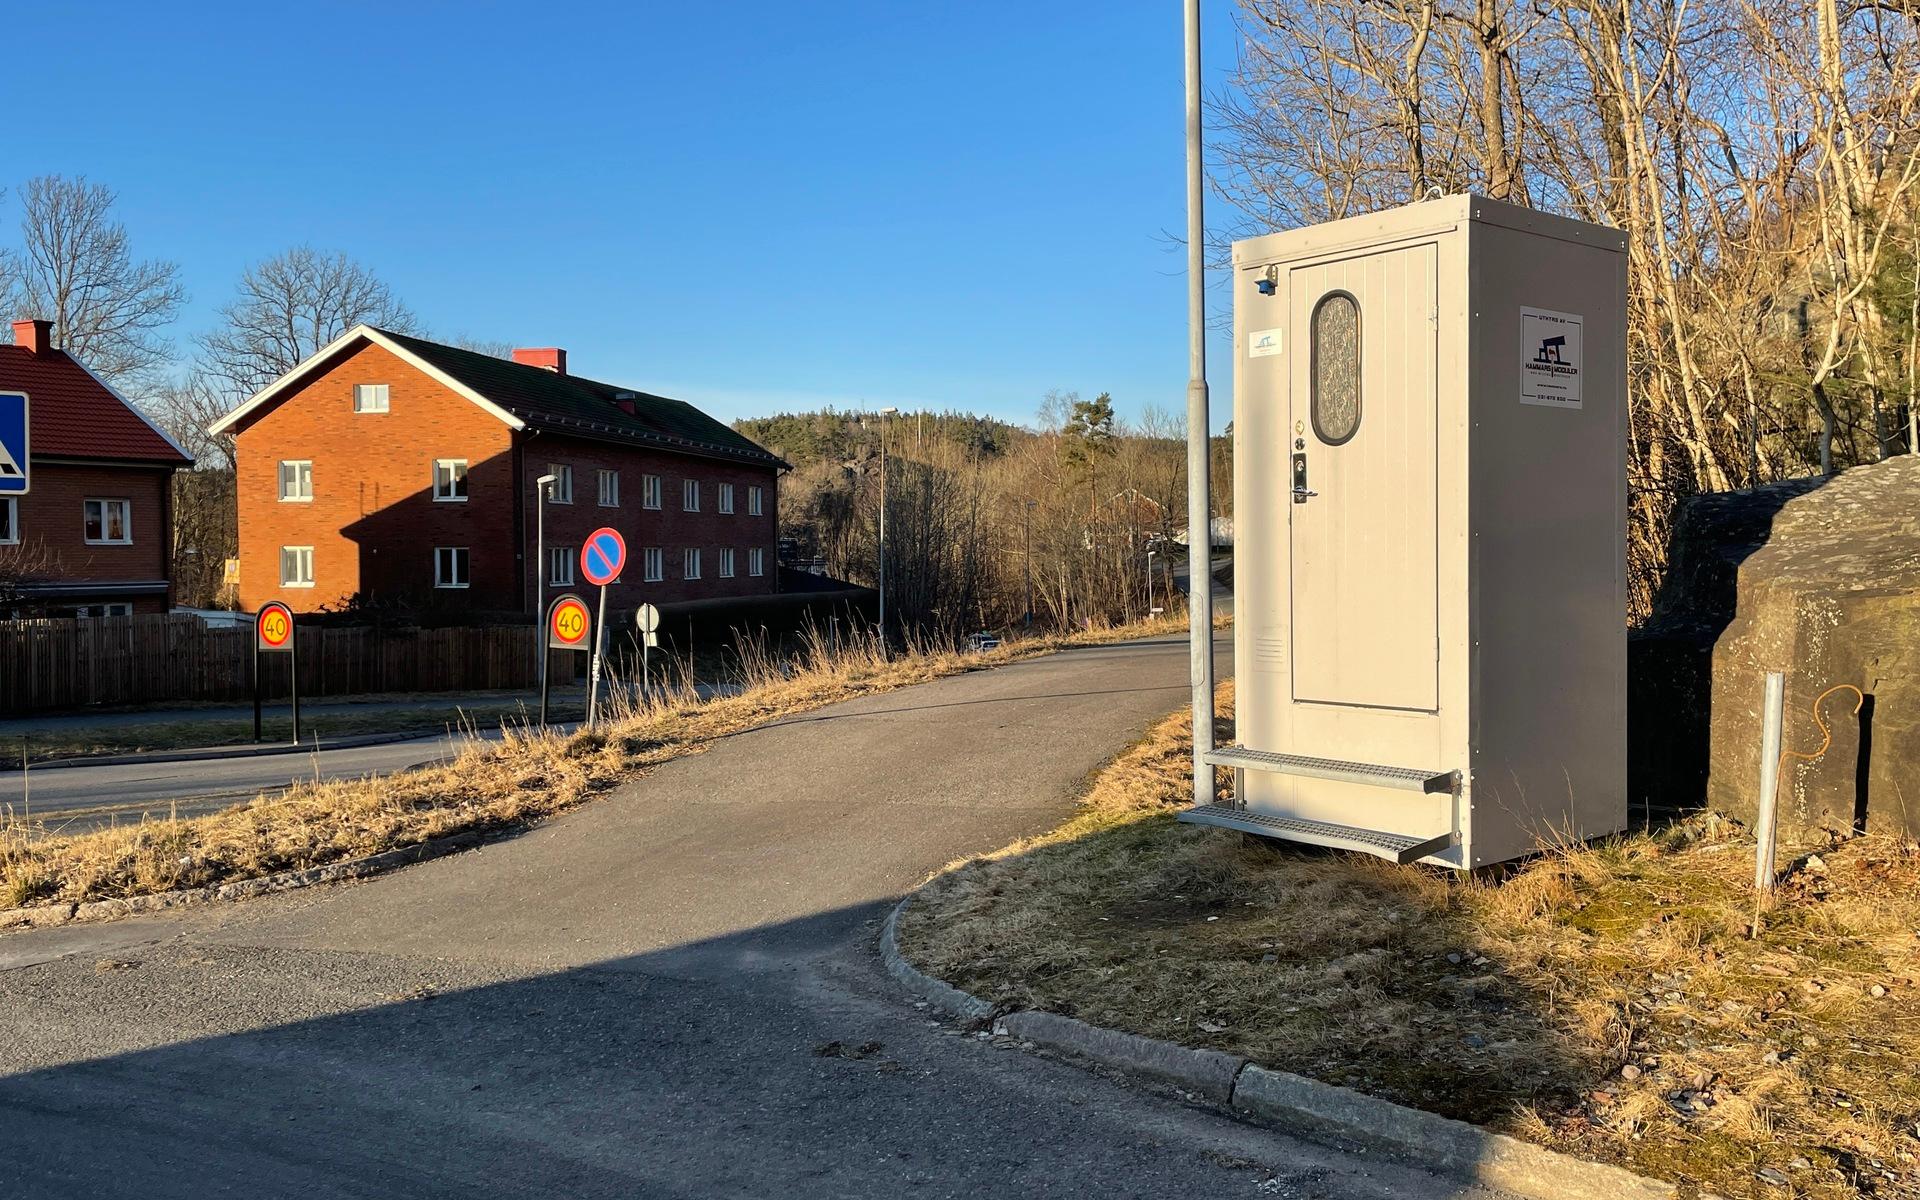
(542, 488)
(884, 414)
(1150, 608)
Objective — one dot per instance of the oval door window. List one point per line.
(1336, 367)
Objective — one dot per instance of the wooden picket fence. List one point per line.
(52, 665)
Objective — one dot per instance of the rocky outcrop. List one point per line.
(1817, 578)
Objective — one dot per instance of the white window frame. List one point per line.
(560, 560)
(560, 491)
(726, 562)
(690, 495)
(451, 465)
(126, 521)
(755, 502)
(609, 488)
(654, 559)
(302, 555)
(756, 561)
(690, 563)
(372, 398)
(725, 501)
(442, 579)
(303, 474)
(10, 529)
(650, 490)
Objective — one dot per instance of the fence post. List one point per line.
(1772, 714)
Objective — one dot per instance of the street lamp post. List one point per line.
(1150, 555)
(1199, 433)
(542, 488)
(1026, 543)
(884, 414)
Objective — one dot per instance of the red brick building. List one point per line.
(93, 536)
(391, 468)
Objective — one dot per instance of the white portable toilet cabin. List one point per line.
(1430, 534)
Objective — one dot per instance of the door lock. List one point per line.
(1301, 491)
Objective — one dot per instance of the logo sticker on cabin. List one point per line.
(1550, 358)
(1263, 342)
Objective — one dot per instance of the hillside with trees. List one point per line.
(987, 520)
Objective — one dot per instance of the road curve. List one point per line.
(670, 992)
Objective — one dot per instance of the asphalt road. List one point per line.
(72, 798)
(671, 992)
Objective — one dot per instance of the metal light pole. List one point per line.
(1150, 555)
(884, 414)
(1026, 542)
(542, 488)
(1199, 432)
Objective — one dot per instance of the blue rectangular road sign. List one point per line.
(13, 443)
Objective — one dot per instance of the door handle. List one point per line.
(1300, 494)
(1300, 489)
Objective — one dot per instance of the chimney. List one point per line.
(547, 358)
(627, 402)
(34, 336)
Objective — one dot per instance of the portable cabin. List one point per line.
(1429, 433)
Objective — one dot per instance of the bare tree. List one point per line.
(288, 308)
(75, 268)
(186, 406)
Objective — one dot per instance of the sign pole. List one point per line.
(256, 684)
(599, 658)
(567, 626)
(293, 678)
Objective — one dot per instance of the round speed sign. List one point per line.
(568, 623)
(273, 626)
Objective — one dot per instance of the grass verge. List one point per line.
(527, 775)
(1609, 1001)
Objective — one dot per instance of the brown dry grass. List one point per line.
(1757, 1066)
(528, 775)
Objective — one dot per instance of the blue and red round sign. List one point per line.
(603, 555)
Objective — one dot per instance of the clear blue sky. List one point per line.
(754, 206)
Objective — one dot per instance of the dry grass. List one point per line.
(527, 775)
(1775, 1065)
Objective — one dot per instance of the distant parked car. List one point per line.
(983, 641)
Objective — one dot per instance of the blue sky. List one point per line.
(755, 206)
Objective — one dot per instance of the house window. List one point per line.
(609, 489)
(450, 479)
(656, 564)
(726, 562)
(296, 566)
(560, 491)
(756, 561)
(9, 522)
(726, 498)
(649, 491)
(109, 522)
(450, 566)
(690, 496)
(692, 569)
(753, 501)
(1335, 375)
(296, 480)
(119, 608)
(369, 397)
(560, 565)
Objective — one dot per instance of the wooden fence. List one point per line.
(47, 665)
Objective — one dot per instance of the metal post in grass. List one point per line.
(1199, 427)
(1772, 717)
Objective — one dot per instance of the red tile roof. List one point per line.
(73, 415)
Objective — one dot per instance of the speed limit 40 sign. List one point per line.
(568, 623)
(273, 627)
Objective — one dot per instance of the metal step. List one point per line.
(1410, 779)
(1393, 847)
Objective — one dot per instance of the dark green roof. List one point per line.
(587, 408)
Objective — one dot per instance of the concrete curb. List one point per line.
(46, 915)
(943, 996)
(1298, 1104)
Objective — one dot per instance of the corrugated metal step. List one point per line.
(1393, 847)
(1410, 779)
